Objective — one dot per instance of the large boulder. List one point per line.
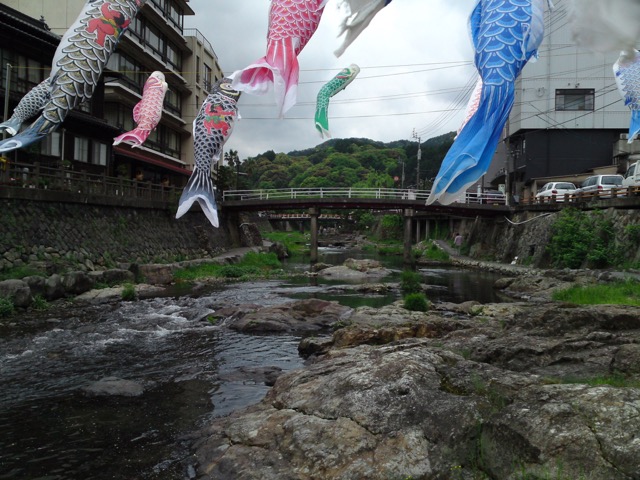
(77, 282)
(17, 291)
(299, 316)
(157, 274)
(479, 391)
(54, 287)
(408, 410)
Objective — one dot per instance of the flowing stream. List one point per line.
(191, 371)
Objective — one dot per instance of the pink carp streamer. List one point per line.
(291, 24)
(148, 112)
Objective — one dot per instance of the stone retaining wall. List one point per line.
(56, 237)
(527, 235)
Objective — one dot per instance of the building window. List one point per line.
(155, 40)
(100, 151)
(207, 77)
(173, 102)
(575, 99)
(51, 144)
(81, 149)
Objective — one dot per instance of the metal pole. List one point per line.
(419, 156)
(7, 88)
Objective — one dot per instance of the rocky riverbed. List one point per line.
(464, 391)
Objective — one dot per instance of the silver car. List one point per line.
(555, 190)
(601, 186)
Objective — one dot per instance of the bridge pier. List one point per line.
(408, 214)
(314, 213)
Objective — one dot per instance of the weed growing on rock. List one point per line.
(416, 302)
(6, 307)
(410, 282)
(40, 303)
(128, 292)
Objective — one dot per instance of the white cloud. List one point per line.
(409, 48)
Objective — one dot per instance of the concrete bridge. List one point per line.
(411, 204)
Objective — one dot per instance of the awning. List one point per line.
(153, 161)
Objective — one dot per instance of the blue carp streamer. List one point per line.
(506, 35)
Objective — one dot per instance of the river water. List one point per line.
(191, 371)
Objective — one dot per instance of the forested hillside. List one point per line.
(351, 162)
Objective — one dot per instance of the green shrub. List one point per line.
(128, 292)
(410, 282)
(391, 226)
(6, 307)
(579, 239)
(40, 303)
(416, 302)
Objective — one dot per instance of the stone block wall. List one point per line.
(527, 235)
(56, 237)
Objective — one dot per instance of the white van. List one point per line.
(632, 177)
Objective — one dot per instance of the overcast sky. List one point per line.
(416, 72)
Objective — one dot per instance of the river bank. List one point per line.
(528, 389)
(513, 390)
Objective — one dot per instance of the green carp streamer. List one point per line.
(337, 83)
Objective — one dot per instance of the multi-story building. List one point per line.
(154, 41)
(568, 115)
(202, 70)
(27, 47)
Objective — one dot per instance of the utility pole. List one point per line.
(7, 88)
(419, 156)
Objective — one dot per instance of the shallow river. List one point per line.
(191, 371)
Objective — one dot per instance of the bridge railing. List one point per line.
(346, 192)
(331, 192)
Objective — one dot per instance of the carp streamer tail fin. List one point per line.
(279, 67)
(35, 133)
(135, 137)
(200, 188)
(12, 126)
(472, 151)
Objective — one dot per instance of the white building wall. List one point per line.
(562, 65)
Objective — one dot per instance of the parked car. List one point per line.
(632, 177)
(601, 185)
(555, 190)
(495, 197)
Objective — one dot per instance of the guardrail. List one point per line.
(620, 192)
(356, 193)
(35, 176)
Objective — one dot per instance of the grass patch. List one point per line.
(6, 307)
(436, 254)
(389, 250)
(19, 273)
(617, 380)
(252, 265)
(295, 242)
(617, 293)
